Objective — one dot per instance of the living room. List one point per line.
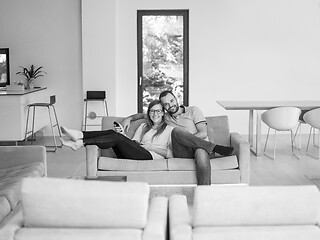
(238, 50)
(254, 50)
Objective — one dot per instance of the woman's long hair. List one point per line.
(149, 124)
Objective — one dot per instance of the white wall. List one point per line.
(47, 33)
(99, 50)
(254, 49)
(239, 50)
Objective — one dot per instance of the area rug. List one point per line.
(315, 180)
(169, 190)
(186, 189)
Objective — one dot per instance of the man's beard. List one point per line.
(173, 111)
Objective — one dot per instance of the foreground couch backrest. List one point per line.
(78, 209)
(13, 156)
(284, 212)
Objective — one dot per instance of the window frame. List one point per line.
(163, 12)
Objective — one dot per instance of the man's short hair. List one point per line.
(165, 93)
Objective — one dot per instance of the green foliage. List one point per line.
(3, 68)
(31, 72)
(162, 55)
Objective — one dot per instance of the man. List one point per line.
(189, 135)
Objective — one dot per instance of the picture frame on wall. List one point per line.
(4, 67)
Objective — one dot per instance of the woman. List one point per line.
(152, 140)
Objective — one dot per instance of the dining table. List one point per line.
(256, 108)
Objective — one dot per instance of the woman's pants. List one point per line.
(122, 146)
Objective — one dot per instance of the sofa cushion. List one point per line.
(117, 164)
(267, 205)
(257, 232)
(5, 208)
(185, 164)
(15, 174)
(10, 180)
(12, 193)
(218, 130)
(49, 202)
(171, 164)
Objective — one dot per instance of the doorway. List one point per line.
(163, 59)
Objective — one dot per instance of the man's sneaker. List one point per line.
(118, 128)
(223, 150)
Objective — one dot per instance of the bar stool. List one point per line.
(48, 106)
(99, 96)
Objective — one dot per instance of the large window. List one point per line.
(162, 55)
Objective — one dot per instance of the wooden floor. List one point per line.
(286, 169)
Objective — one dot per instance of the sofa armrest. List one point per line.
(318, 219)
(156, 228)
(179, 219)
(242, 151)
(12, 223)
(11, 156)
(92, 155)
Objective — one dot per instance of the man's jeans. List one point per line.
(186, 145)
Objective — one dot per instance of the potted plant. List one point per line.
(31, 74)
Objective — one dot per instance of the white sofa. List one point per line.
(78, 209)
(245, 213)
(231, 169)
(17, 162)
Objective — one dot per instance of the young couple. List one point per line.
(183, 128)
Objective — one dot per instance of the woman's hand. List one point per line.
(147, 146)
(126, 123)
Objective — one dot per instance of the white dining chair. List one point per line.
(281, 119)
(313, 119)
(298, 131)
